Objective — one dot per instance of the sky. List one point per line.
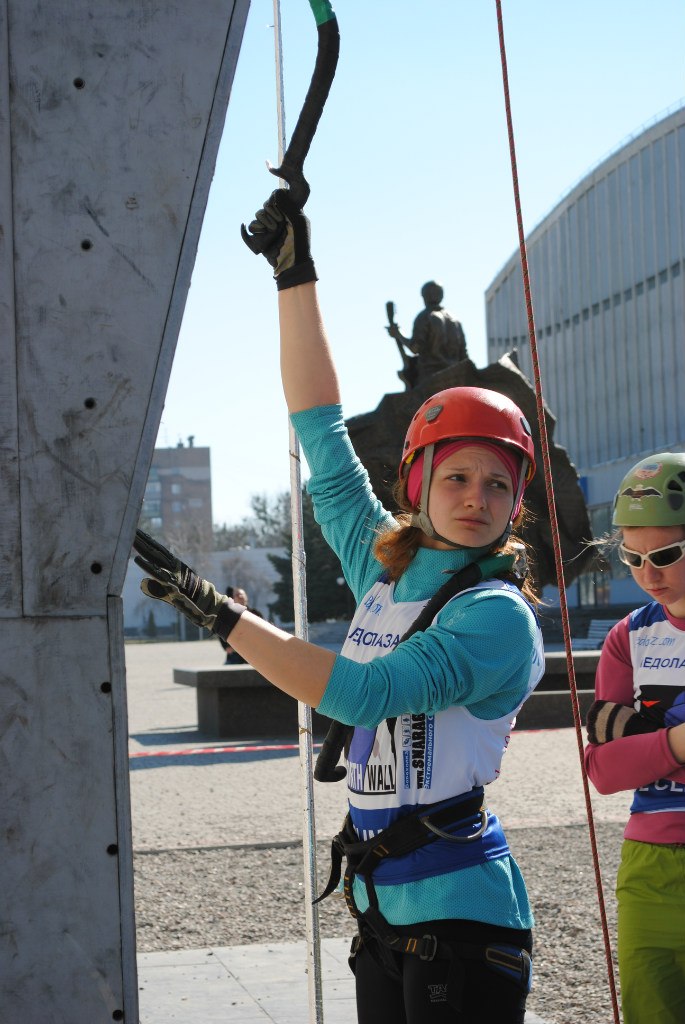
(410, 181)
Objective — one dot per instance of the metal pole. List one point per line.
(304, 713)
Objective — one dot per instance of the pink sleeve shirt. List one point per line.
(633, 761)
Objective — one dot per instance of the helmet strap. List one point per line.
(420, 518)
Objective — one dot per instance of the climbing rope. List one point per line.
(546, 461)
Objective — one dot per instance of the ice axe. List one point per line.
(291, 166)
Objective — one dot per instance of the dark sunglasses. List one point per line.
(659, 557)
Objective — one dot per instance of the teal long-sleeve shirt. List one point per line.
(478, 654)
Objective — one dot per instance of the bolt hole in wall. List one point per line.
(86, 245)
(90, 403)
(118, 1015)
(79, 83)
(106, 687)
(96, 568)
(112, 849)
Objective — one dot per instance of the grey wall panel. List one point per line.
(10, 564)
(109, 121)
(59, 942)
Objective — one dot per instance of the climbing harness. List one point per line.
(468, 821)
(554, 525)
(461, 820)
(411, 832)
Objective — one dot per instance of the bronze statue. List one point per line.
(437, 339)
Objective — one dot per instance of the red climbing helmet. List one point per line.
(468, 413)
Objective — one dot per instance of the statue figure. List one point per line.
(437, 339)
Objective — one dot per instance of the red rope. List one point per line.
(552, 511)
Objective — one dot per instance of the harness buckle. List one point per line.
(433, 948)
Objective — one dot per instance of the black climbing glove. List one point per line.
(608, 721)
(177, 584)
(280, 232)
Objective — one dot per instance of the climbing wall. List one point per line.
(110, 117)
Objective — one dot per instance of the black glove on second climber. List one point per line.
(280, 233)
(608, 721)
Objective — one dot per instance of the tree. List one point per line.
(326, 598)
(239, 570)
(226, 537)
(267, 527)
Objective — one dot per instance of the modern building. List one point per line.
(178, 495)
(607, 270)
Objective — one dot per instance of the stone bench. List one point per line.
(235, 702)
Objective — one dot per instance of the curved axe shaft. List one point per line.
(291, 168)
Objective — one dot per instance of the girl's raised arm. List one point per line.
(280, 232)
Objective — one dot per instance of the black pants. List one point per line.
(407, 990)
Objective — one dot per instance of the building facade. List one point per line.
(178, 495)
(607, 270)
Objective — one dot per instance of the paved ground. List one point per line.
(189, 795)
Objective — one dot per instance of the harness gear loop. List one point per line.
(458, 839)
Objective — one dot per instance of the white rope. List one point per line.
(304, 712)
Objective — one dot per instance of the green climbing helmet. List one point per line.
(653, 492)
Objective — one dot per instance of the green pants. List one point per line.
(650, 889)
